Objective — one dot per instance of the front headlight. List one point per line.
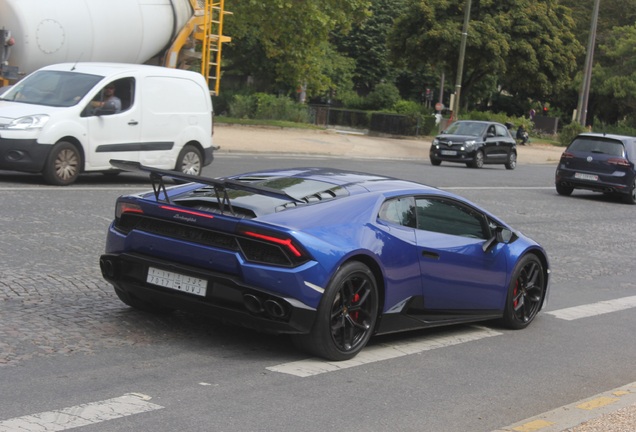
(29, 122)
(435, 141)
(470, 145)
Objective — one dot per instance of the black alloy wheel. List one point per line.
(346, 316)
(525, 294)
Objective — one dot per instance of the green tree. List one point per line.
(367, 45)
(282, 42)
(526, 48)
(614, 76)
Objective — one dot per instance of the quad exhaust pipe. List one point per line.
(270, 307)
(107, 267)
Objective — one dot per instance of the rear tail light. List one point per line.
(618, 161)
(268, 248)
(125, 207)
(567, 155)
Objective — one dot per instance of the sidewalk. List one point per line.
(255, 139)
(612, 411)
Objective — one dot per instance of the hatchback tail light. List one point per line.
(567, 155)
(618, 161)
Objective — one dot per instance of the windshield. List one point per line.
(466, 128)
(52, 88)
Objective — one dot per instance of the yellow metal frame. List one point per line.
(205, 27)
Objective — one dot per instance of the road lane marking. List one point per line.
(81, 415)
(593, 309)
(375, 353)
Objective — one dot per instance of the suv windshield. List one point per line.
(466, 128)
(598, 145)
(52, 88)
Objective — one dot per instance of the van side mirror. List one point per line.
(501, 235)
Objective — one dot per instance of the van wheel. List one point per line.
(190, 161)
(63, 164)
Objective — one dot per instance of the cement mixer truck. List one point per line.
(61, 56)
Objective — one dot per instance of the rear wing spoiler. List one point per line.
(220, 185)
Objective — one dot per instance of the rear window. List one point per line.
(598, 145)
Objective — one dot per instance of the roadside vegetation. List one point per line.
(399, 56)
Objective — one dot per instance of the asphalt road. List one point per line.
(66, 341)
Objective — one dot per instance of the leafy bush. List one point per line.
(352, 100)
(384, 96)
(242, 106)
(268, 107)
(568, 133)
(407, 107)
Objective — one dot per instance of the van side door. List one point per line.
(112, 133)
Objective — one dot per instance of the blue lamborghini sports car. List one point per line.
(330, 257)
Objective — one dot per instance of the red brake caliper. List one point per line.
(354, 300)
(514, 295)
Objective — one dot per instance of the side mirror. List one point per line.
(501, 235)
(490, 135)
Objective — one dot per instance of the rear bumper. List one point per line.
(606, 183)
(226, 299)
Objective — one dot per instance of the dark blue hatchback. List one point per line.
(600, 163)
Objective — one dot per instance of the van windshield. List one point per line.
(52, 88)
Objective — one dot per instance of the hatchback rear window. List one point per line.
(599, 146)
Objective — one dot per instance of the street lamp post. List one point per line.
(460, 65)
(587, 72)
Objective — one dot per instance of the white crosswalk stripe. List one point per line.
(81, 415)
(593, 309)
(376, 353)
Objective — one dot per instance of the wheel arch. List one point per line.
(377, 274)
(546, 271)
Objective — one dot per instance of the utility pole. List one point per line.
(460, 66)
(584, 95)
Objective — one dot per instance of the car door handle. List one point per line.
(431, 255)
(133, 123)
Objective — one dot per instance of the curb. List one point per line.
(598, 408)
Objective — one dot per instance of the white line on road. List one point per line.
(81, 415)
(376, 353)
(589, 310)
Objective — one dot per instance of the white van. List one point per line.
(56, 122)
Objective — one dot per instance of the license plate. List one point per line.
(449, 152)
(176, 281)
(586, 176)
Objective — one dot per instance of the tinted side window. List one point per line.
(449, 217)
(400, 211)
